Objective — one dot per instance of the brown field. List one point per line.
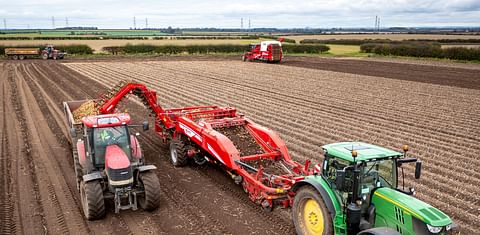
(384, 36)
(309, 107)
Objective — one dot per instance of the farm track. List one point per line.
(308, 107)
(437, 121)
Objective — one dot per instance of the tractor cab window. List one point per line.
(330, 169)
(375, 174)
(104, 137)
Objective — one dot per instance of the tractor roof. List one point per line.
(364, 151)
(106, 120)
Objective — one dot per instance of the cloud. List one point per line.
(267, 13)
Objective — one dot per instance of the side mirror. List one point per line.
(145, 126)
(418, 169)
(73, 132)
(340, 180)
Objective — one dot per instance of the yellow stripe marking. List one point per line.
(399, 205)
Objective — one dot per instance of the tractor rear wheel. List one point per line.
(310, 214)
(244, 58)
(178, 153)
(92, 200)
(151, 200)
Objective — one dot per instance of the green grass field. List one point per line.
(346, 51)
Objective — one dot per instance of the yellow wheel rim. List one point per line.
(313, 217)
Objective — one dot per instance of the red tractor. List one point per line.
(266, 51)
(109, 163)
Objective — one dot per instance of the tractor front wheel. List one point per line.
(178, 153)
(92, 200)
(44, 56)
(310, 214)
(151, 200)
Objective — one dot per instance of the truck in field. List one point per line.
(108, 161)
(22, 53)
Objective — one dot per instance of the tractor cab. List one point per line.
(108, 135)
(365, 181)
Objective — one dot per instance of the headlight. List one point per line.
(434, 229)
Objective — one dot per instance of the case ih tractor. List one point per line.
(266, 51)
(109, 164)
(356, 191)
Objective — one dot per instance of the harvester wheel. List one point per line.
(310, 214)
(92, 200)
(178, 153)
(151, 200)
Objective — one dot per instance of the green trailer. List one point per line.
(356, 191)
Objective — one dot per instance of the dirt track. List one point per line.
(308, 107)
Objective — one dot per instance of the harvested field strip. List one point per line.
(437, 121)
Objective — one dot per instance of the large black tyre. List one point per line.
(151, 200)
(310, 214)
(92, 200)
(178, 153)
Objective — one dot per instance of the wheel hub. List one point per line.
(313, 217)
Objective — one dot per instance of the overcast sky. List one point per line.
(222, 14)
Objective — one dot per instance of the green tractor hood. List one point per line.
(395, 208)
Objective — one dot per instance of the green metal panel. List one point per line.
(397, 209)
(343, 150)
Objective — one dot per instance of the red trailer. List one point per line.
(253, 155)
(267, 51)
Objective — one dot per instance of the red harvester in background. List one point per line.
(267, 51)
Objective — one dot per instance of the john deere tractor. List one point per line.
(356, 191)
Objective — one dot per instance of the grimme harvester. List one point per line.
(354, 191)
(267, 51)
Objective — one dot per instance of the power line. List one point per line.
(146, 23)
(5, 23)
(134, 23)
(249, 25)
(53, 22)
(66, 22)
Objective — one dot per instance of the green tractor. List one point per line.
(356, 191)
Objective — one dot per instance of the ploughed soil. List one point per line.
(434, 74)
